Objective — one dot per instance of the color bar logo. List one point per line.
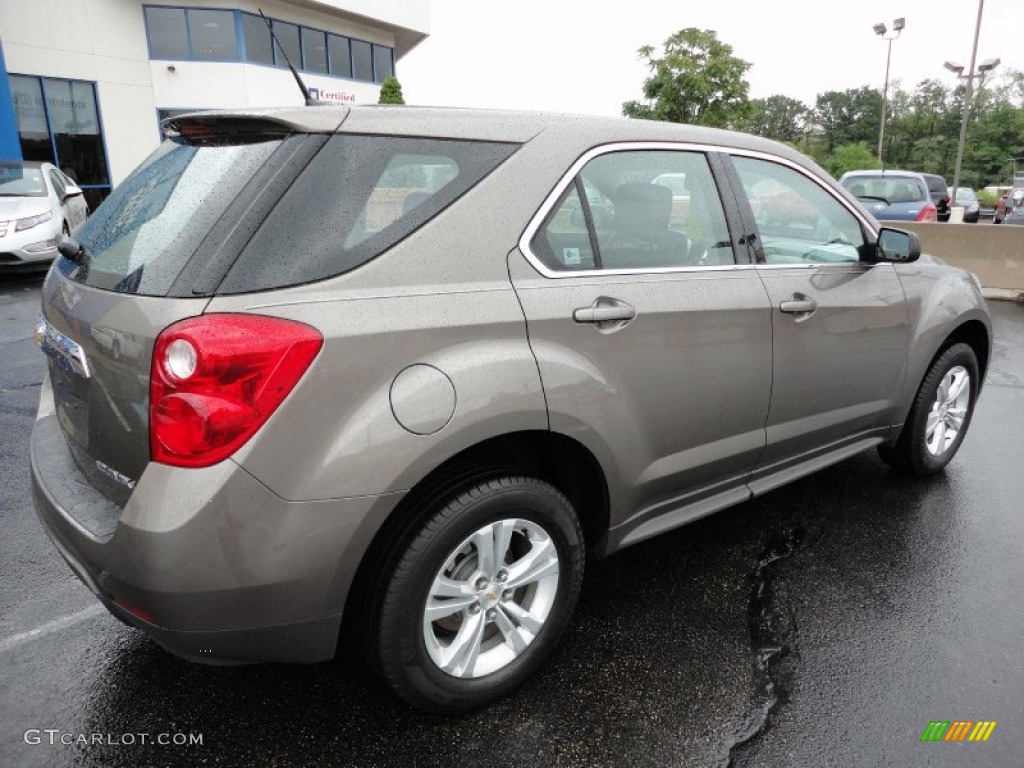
(958, 730)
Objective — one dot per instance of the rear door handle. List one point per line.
(604, 314)
(799, 305)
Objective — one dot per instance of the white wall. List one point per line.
(104, 41)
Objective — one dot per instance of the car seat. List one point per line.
(640, 234)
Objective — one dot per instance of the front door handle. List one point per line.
(798, 305)
(606, 313)
(603, 314)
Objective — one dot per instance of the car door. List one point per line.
(839, 320)
(654, 346)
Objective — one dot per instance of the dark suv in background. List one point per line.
(938, 190)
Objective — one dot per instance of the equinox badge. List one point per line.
(65, 352)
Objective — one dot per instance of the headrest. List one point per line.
(642, 207)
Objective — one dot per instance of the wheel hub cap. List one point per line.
(491, 598)
(948, 412)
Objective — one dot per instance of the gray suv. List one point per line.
(386, 364)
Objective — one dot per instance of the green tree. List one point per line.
(851, 157)
(391, 92)
(848, 117)
(697, 80)
(778, 117)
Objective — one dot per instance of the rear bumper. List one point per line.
(209, 562)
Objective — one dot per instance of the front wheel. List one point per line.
(940, 415)
(480, 596)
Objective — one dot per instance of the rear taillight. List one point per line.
(928, 213)
(216, 379)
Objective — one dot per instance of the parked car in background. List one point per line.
(1005, 205)
(1013, 212)
(37, 203)
(427, 418)
(938, 190)
(892, 195)
(967, 199)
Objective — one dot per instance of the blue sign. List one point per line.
(10, 147)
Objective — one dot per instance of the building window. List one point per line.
(314, 50)
(168, 33)
(288, 41)
(362, 61)
(58, 122)
(212, 35)
(383, 68)
(259, 48)
(341, 57)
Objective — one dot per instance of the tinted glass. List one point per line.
(259, 48)
(213, 35)
(33, 131)
(563, 243)
(341, 63)
(18, 181)
(358, 197)
(894, 189)
(168, 38)
(314, 50)
(58, 184)
(288, 38)
(76, 130)
(382, 66)
(362, 60)
(798, 221)
(144, 233)
(639, 223)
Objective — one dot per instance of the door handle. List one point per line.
(604, 314)
(798, 305)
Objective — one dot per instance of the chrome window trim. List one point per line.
(551, 200)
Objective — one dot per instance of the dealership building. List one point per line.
(84, 83)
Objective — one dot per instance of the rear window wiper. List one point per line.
(73, 250)
(873, 197)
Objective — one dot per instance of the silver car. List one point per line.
(37, 204)
(384, 365)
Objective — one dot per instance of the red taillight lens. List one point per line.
(216, 379)
(928, 213)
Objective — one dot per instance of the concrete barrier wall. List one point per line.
(994, 252)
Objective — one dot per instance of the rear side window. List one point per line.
(358, 197)
(141, 237)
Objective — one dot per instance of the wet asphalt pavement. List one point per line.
(824, 624)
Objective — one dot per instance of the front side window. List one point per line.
(649, 209)
(58, 184)
(798, 221)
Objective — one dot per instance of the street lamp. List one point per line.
(958, 69)
(882, 31)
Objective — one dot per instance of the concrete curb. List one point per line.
(1003, 294)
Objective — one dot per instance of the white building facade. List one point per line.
(84, 83)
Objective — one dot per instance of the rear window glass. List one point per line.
(358, 197)
(894, 189)
(141, 237)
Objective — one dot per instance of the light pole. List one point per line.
(883, 32)
(958, 69)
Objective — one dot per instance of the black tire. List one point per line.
(910, 452)
(397, 609)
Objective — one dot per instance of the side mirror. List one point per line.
(71, 191)
(897, 245)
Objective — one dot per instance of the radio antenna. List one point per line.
(310, 101)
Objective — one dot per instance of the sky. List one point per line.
(579, 56)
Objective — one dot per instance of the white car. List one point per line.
(37, 203)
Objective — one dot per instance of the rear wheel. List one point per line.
(480, 595)
(940, 414)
